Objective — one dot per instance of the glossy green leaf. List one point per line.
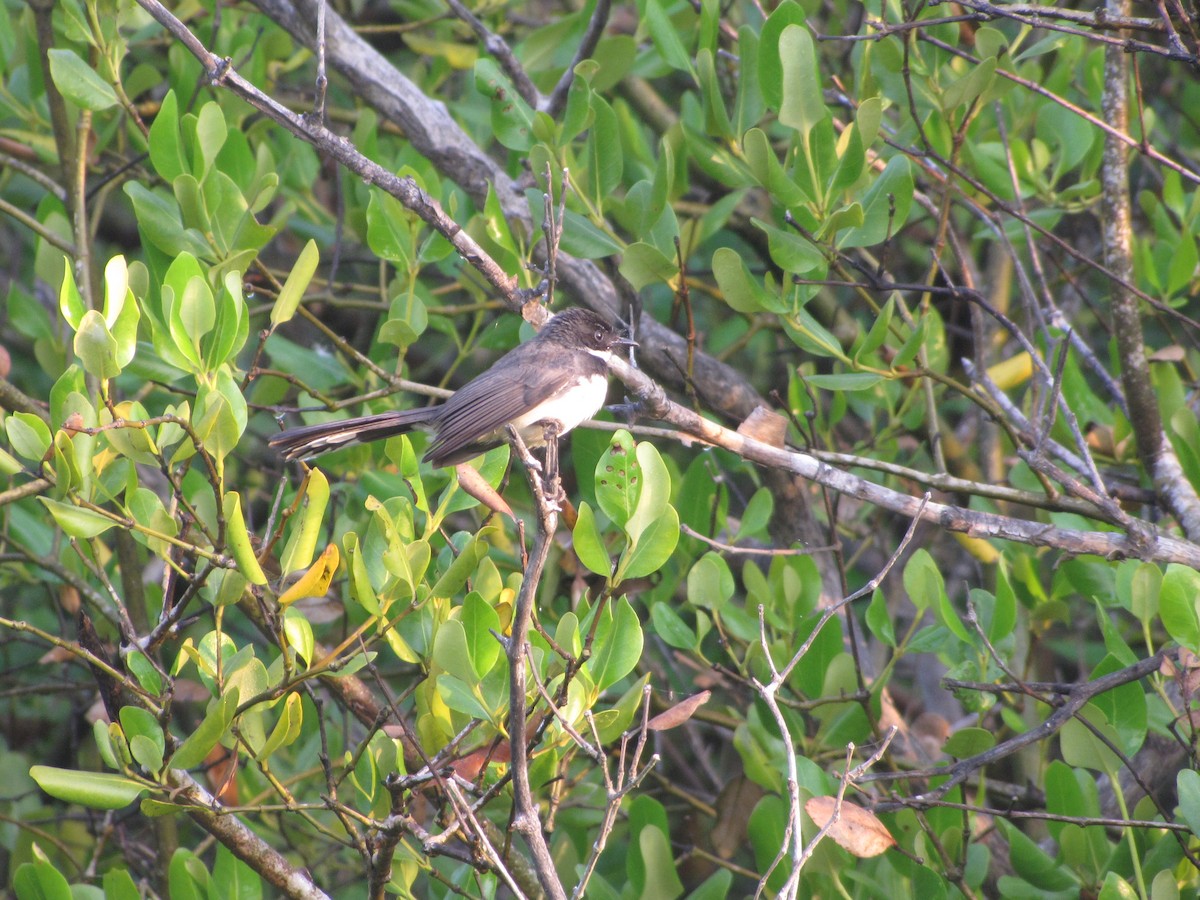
(588, 542)
(481, 626)
(619, 479)
(29, 435)
(166, 153)
(78, 82)
(671, 627)
(650, 550)
(95, 790)
(617, 647)
(76, 521)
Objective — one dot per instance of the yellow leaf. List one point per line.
(315, 582)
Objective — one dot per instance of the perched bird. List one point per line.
(559, 377)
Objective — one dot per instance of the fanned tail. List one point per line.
(312, 440)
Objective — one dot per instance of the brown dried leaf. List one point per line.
(1173, 353)
(856, 830)
(68, 599)
(470, 766)
(766, 426)
(56, 655)
(679, 713)
(221, 774)
(474, 484)
(734, 805)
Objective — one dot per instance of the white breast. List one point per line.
(568, 409)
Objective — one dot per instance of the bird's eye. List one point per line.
(599, 336)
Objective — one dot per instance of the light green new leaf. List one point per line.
(297, 283)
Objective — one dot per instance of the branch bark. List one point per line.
(1154, 448)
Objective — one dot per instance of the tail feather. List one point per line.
(311, 440)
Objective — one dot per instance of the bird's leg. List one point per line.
(550, 480)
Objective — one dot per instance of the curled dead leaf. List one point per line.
(679, 713)
(856, 830)
(474, 484)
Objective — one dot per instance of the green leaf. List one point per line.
(512, 119)
(790, 252)
(765, 166)
(1178, 605)
(802, 105)
(665, 37)
(96, 347)
(211, 132)
(145, 736)
(619, 479)
(643, 264)
(76, 521)
(655, 490)
(885, 206)
(710, 583)
(165, 151)
(212, 728)
(70, 303)
(879, 619)
(481, 624)
(971, 86)
(811, 336)
(389, 230)
(287, 728)
(298, 631)
(583, 239)
(968, 742)
(96, 790)
(605, 160)
(757, 515)
(1187, 784)
(118, 885)
(844, 381)
(617, 647)
(651, 549)
(1081, 747)
(770, 64)
(451, 652)
(589, 544)
(39, 880)
(78, 82)
(669, 626)
(742, 291)
(29, 435)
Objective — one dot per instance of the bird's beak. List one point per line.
(627, 342)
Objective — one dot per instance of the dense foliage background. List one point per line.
(926, 623)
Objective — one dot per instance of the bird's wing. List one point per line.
(485, 405)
